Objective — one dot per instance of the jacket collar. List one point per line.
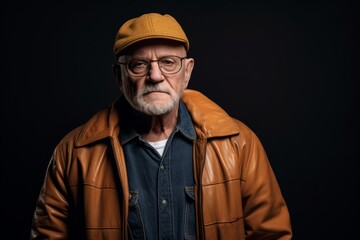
(207, 116)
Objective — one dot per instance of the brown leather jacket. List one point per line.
(85, 192)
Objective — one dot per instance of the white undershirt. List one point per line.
(159, 146)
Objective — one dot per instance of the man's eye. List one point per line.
(167, 61)
(138, 64)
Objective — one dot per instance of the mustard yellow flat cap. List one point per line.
(149, 26)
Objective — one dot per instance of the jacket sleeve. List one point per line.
(51, 213)
(265, 211)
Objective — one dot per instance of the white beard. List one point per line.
(138, 102)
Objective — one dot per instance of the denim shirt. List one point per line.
(161, 187)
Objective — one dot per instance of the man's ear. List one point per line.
(189, 66)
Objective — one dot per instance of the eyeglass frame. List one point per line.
(149, 65)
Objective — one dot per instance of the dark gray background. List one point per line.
(289, 70)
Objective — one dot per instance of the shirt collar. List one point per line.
(185, 124)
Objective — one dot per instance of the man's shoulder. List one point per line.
(244, 129)
(97, 126)
(209, 116)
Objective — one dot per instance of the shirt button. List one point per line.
(164, 202)
(162, 167)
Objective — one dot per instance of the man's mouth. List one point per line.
(154, 92)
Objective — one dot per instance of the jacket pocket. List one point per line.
(189, 224)
(136, 226)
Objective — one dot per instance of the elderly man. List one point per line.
(162, 162)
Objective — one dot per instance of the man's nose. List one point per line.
(155, 73)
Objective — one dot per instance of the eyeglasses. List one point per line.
(139, 67)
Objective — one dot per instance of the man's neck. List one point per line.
(160, 127)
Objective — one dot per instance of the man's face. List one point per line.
(156, 93)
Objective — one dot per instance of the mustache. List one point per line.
(154, 88)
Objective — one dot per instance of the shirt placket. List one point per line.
(166, 230)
